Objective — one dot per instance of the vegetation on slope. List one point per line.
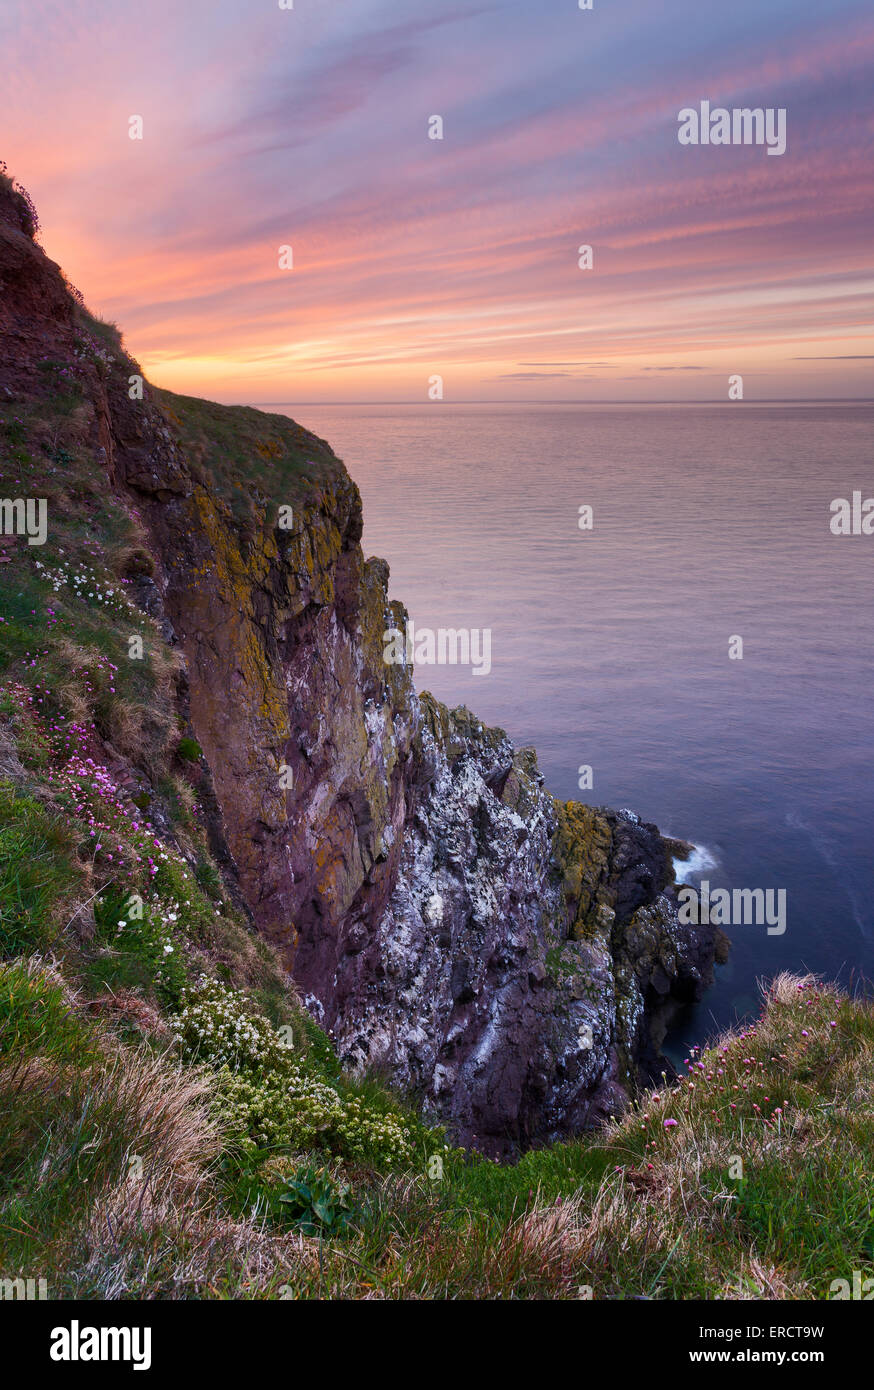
(173, 1123)
(244, 452)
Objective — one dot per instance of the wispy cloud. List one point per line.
(411, 256)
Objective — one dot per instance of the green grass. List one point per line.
(824, 1224)
(248, 456)
(37, 1020)
(37, 871)
(505, 1191)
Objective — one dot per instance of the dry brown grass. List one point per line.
(552, 1231)
(143, 733)
(125, 1150)
(11, 769)
(126, 1005)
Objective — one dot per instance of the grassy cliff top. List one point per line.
(235, 446)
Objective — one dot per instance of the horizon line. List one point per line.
(764, 400)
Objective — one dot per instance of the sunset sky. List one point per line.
(308, 127)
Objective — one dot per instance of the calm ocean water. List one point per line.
(610, 647)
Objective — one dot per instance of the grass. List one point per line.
(245, 455)
(639, 1210)
(66, 617)
(649, 1210)
(37, 1020)
(37, 871)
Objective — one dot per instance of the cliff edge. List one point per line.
(511, 960)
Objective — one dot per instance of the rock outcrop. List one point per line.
(512, 960)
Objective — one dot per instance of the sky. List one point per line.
(414, 258)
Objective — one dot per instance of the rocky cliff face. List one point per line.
(511, 959)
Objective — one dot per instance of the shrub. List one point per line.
(266, 1095)
(212, 1026)
(297, 1111)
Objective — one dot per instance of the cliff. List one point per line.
(511, 960)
